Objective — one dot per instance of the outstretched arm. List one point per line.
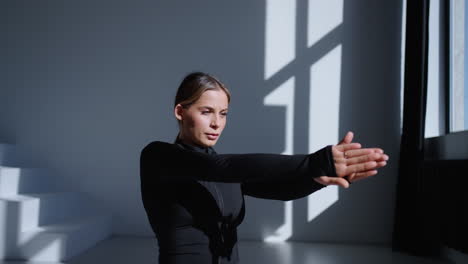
(268, 176)
(166, 162)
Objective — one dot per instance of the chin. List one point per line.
(209, 143)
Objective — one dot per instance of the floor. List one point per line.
(129, 250)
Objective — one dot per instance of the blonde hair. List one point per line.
(194, 85)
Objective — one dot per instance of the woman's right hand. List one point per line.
(353, 162)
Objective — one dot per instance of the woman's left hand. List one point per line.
(353, 162)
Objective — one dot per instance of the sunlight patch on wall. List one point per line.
(284, 96)
(324, 114)
(324, 102)
(280, 35)
(280, 50)
(323, 17)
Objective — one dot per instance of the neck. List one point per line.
(194, 147)
(184, 140)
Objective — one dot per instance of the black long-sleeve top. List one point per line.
(194, 200)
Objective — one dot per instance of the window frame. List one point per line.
(451, 145)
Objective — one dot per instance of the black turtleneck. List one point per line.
(194, 197)
(227, 195)
(193, 147)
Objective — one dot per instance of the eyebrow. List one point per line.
(211, 108)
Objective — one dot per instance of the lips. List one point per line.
(212, 136)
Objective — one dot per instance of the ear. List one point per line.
(179, 111)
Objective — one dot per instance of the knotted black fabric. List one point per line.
(222, 239)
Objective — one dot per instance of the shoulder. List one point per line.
(158, 155)
(158, 148)
(157, 145)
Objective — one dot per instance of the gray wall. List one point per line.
(89, 83)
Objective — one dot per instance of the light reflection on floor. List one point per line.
(126, 250)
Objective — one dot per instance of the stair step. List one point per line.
(35, 210)
(60, 242)
(38, 222)
(15, 180)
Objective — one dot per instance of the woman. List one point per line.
(194, 197)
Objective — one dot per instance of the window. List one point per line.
(447, 90)
(458, 92)
(435, 110)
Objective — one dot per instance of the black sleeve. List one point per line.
(293, 185)
(169, 163)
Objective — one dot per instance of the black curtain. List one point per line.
(410, 232)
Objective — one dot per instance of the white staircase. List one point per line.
(40, 223)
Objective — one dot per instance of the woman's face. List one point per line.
(202, 122)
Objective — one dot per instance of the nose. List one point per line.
(214, 122)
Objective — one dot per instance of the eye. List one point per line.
(205, 112)
(224, 114)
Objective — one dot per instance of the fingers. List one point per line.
(381, 164)
(362, 159)
(365, 158)
(325, 180)
(364, 169)
(346, 147)
(362, 151)
(362, 175)
(361, 167)
(340, 182)
(357, 152)
(384, 158)
(348, 138)
(354, 162)
(378, 150)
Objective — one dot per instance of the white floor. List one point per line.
(130, 250)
